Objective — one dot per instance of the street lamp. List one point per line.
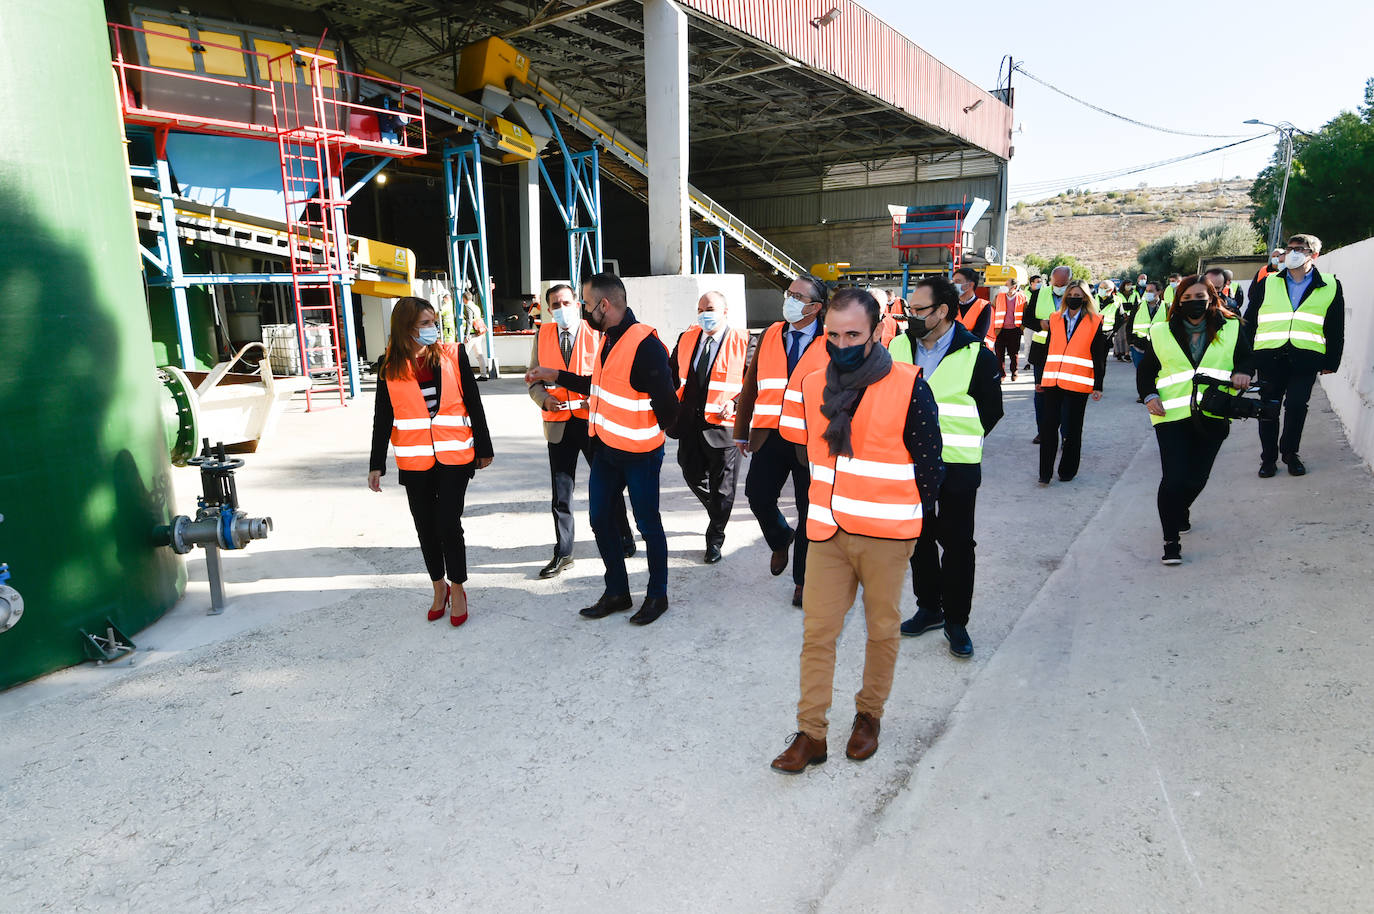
(1284, 129)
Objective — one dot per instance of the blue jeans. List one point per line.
(614, 471)
(1136, 356)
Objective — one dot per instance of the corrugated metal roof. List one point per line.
(866, 52)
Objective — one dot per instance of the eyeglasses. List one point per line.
(1302, 248)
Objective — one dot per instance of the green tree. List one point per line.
(1331, 189)
(1181, 249)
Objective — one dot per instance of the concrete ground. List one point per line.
(1128, 737)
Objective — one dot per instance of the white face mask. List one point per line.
(1295, 260)
(1149, 296)
(1174, 284)
(793, 309)
(567, 317)
(709, 320)
(1058, 291)
(960, 287)
(1275, 261)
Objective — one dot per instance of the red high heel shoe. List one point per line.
(456, 621)
(442, 610)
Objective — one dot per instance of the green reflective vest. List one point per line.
(1168, 295)
(1177, 376)
(1279, 324)
(1144, 320)
(961, 429)
(1110, 310)
(1041, 306)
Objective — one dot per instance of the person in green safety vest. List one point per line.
(1121, 338)
(1296, 319)
(1109, 305)
(964, 376)
(1201, 343)
(1152, 309)
(1172, 290)
(448, 330)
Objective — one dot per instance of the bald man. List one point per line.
(708, 363)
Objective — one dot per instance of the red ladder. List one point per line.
(315, 216)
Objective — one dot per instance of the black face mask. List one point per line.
(847, 359)
(596, 323)
(1073, 304)
(1192, 310)
(920, 326)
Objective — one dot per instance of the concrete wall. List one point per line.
(1351, 389)
(669, 303)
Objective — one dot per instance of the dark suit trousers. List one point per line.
(436, 498)
(943, 563)
(1186, 456)
(1061, 415)
(1007, 345)
(614, 472)
(711, 473)
(563, 472)
(1281, 383)
(769, 468)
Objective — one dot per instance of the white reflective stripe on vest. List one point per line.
(1176, 402)
(575, 404)
(1310, 337)
(1068, 376)
(820, 514)
(794, 395)
(959, 410)
(725, 386)
(638, 406)
(633, 434)
(822, 473)
(1216, 374)
(410, 425)
(1072, 360)
(876, 510)
(1177, 378)
(767, 410)
(1317, 319)
(453, 445)
(1272, 318)
(792, 422)
(962, 440)
(451, 421)
(772, 383)
(413, 450)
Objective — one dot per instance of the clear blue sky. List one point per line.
(1195, 65)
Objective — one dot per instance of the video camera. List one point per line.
(1216, 400)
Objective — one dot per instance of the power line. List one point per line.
(1121, 117)
(1040, 186)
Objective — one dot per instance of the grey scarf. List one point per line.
(842, 393)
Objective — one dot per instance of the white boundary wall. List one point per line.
(1351, 389)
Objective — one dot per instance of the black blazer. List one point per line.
(1305, 360)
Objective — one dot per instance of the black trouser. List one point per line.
(1036, 357)
(1007, 345)
(563, 472)
(942, 564)
(1186, 455)
(769, 468)
(711, 473)
(1281, 383)
(1061, 416)
(436, 499)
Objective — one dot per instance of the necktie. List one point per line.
(793, 350)
(565, 344)
(704, 363)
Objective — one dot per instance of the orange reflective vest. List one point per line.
(975, 311)
(583, 359)
(889, 329)
(773, 380)
(727, 371)
(999, 311)
(873, 493)
(816, 359)
(1069, 363)
(622, 417)
(417, 439)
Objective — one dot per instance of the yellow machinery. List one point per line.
(384, 270)
(490, 62)
(997, 274)
(828, 271)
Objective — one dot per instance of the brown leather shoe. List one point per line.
(778, 563)
(801, 751)
(797, 596)
(863, 742)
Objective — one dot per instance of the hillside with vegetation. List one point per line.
(1105, 230)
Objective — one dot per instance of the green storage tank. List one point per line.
(84, 473)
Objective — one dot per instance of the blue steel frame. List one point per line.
(167, 261)
(579, 204)
(708, 253)
(467, 251)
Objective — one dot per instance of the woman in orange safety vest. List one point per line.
(1075, 363)
(429, 410)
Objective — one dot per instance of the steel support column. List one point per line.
(467, 251)
(579, 205)
(708, 253)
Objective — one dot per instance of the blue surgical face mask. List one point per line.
(793, 309)
(427, 336)
(848, 359)
(709, 320)
(960, 287)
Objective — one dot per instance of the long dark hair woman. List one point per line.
(1200, 345)
(429, 410)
